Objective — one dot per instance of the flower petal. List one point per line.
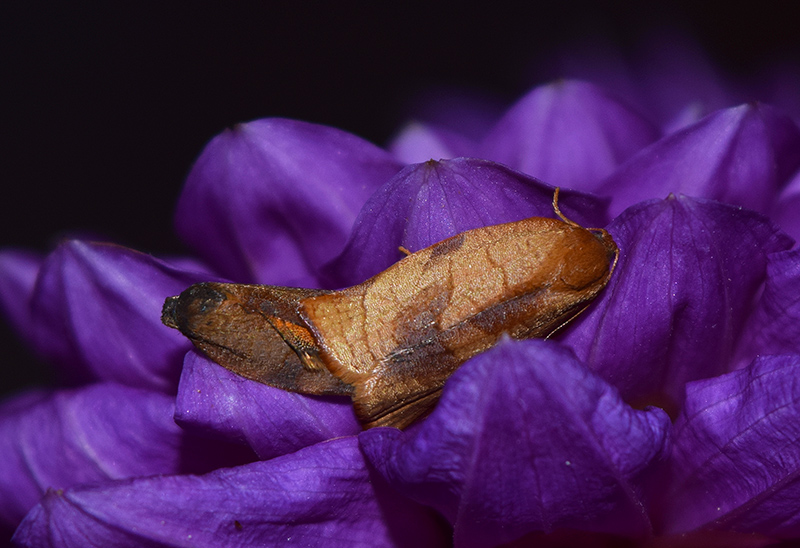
(785, 212)
(271, 200)
(96, 310)
(272, 421)
(526, 439)
(569, 133)
(736, 458)
(105, 431)
(18, 271)
(320, 496)
(419, 142)
(740, 155)
(774, 327)
(688, 272)
(429, 202)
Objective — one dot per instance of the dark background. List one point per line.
(105, 107)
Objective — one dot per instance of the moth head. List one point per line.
(610, 246)
(186, 312)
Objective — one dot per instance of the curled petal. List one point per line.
(429, 202)
(568, 133)
(272, 421)
(526, 439)
(96, 310)
(106, 431)
(18, 271)
(688, 272)
(271, 200)
(320, 496)
(740, 155)
(735, 464)
(774, 327)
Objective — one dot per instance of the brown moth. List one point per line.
(391, 342)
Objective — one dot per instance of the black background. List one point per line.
(106, 106)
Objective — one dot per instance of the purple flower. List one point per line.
(666, 413)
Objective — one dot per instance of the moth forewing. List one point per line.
(398, 336)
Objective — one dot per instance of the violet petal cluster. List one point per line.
(666, 414)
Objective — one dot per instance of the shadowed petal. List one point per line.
(668, 76)
(526, 439)
(320, 496)
(18, 271)
(777, 84)
(774, 327)
(272, 421)
(429, 202)
(569, 133)
(96, 310)
(271, 200)
(688, 272)
(736, 459)
(463, 111)
(740, 155)
(106, 431)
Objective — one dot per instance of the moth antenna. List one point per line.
(570, 222)
(603, 233)
(558, 211)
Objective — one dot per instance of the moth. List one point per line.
(391, 342)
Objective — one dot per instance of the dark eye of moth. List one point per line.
(391, 342)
